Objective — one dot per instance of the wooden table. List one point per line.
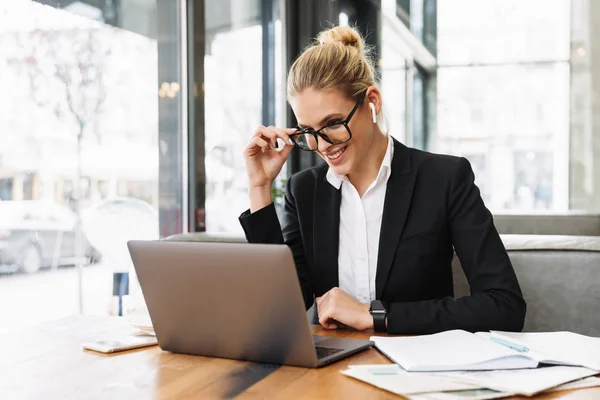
(47, 362)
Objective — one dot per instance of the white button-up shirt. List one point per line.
(360, 227)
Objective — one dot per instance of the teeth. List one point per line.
(336, 154)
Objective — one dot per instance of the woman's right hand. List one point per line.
(263, 161)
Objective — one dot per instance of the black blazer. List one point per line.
(432, 208)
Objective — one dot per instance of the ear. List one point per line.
(374, 96)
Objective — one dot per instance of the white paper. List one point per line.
(562, 347)
(455, 350)
(524, 382)
(486, 394)
(592, 381)
(394, 379)
(475, 394)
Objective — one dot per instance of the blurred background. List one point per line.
(126, 119)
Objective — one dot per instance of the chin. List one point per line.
(340, 169)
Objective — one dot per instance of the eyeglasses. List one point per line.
(335, 132)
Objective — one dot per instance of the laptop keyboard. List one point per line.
(323, 352)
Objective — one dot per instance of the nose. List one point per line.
(323, 146)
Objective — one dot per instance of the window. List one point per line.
(234, 74)
(503, 88)
(83, 114)
(407, 68)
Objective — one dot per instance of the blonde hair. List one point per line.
(338, 60)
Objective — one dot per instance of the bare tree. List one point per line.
(66, 71)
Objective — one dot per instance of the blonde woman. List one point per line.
(373, 231)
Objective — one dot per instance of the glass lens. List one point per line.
(306, 141)
(336, 133)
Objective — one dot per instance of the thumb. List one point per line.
(287, 149)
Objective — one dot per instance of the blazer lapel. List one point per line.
(326, 232)
(395, 210)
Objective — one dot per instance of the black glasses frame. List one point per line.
(317, 133)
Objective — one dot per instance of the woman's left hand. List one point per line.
(338, 307)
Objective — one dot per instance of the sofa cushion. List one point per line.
(559, 277)
(551, 242)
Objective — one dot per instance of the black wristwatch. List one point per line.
(379, 313)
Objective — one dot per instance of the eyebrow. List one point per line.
(325, 120)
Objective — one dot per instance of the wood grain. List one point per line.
(47, 362)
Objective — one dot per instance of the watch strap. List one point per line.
(379, 313)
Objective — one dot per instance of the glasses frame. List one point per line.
(317, 134)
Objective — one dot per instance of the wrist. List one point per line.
(368, 318)
(379, 312)
(260, 197)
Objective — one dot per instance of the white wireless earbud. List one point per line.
(374, 112)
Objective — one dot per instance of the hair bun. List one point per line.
(344, 35)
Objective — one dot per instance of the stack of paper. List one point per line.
(471, 385)
(460, 365)
(394, 379)
(522, 382)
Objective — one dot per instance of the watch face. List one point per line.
(377, 306)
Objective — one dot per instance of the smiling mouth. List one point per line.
(337, 154)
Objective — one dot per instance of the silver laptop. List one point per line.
(231, 300)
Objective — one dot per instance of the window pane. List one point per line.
(490, 31)
(79, 152)
(393, 76)
(234, 104)
(503, 99)
(584, 178)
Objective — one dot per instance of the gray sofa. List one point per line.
(559, 276)
(560, 280)
(571, 223)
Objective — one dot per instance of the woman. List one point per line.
(373, 230)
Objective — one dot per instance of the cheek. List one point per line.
(361, 136)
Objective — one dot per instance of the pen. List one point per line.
(509, 344)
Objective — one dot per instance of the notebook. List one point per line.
(561, 348)
(458, 350)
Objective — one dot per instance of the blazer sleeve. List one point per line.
(496, 301)
(263, 226)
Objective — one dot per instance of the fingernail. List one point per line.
(290, 141)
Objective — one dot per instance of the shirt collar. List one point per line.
(384, 171)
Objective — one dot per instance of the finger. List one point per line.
(327, 320)
(324, 305)
(270, 134)
(259, 142)
(323, 301)
(284, 134)
(285, 152)
(264, 133)
(281, 134)
(321, 305)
